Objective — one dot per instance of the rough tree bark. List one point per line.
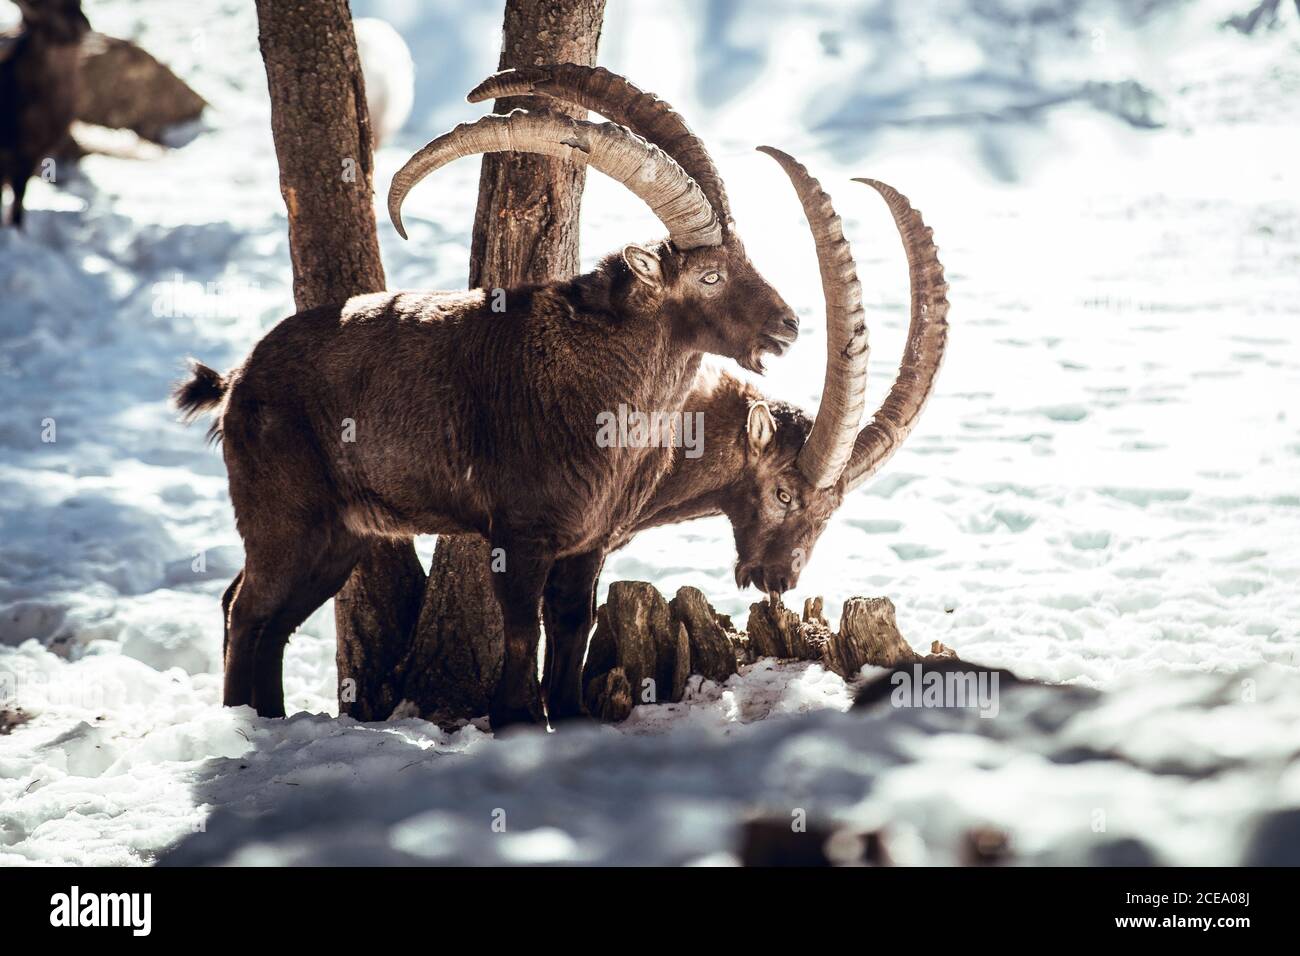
(322, 136)
(525, 230)
(322, 141)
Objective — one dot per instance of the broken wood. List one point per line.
(710, 635)
(868, 635)
(776, 631)
(644, 647)
(637, 634)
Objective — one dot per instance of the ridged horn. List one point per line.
(927, 336)
(826, 452)
(617, 99)
(617, 152)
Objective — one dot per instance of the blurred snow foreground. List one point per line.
(1102, 494)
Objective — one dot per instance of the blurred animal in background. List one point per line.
(389, 71)
(38, 91)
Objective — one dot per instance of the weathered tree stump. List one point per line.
(643, 648)
(812, 612)
(637, 633)
(710, 635)
(868, 634)
(776, 631)
(124, 87)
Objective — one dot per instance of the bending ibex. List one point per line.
(757, 470)
(408, 413)
(38, 90)
(776, 475)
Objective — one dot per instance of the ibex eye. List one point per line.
(711, 278)
(783, 496)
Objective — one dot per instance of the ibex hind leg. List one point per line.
(281, 587)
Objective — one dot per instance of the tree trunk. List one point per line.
(525, 230)
(322, 139)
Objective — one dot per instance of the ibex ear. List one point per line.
(760, 427)
(644, 264)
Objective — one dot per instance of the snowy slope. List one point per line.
(1104, 491)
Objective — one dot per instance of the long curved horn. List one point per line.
(829, 444)
(926, 338)
(616, 151)
(617, 99)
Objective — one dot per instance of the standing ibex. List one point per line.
(776, 475)
(38, 90)
(408, 413)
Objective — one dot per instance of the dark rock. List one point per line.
(772, 841)
(1276, 840)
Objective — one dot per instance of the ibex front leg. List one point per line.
(569, 610)
(518, 587)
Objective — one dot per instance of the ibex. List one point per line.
(38, 90)
(406, 413)
(776, 475)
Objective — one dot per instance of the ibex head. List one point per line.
(715, 299)
(792, 473)
(776, 513)
(699, 279)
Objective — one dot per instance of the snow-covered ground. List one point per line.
(1104, 491)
